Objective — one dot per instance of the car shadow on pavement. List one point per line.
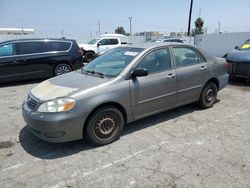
(239, 82)
(23, 82)
(161, 117)
(45, 150)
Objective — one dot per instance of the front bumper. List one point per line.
(54, 127)
(239, 69)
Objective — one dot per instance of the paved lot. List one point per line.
(185, 147)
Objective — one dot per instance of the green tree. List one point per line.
(199, 22)
(120, 30)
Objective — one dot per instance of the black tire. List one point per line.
(208, 95)
(62, 69)
(104, 126)
(89, 56)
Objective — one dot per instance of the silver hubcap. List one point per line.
(63, 69)
(209, 95)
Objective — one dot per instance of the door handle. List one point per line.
(15, 61)
(203, 68)
(170, 76)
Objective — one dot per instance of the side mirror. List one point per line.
(139, 72)
(236, 47)
(98, 44)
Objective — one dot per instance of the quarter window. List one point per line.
(156, 61)
(6, 50)
(185, 57)
(60, 46)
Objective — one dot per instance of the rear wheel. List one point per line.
(208, 95)
(104, 126)
(62, 69)
(89, 56)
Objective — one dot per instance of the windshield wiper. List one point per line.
(98, 74)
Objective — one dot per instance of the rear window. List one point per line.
(60, 46)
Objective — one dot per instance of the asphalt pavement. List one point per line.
(184, 147)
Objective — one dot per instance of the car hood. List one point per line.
(238, 56)
(66, 85)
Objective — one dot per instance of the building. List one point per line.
(16, 31)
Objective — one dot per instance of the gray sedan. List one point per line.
(123, 85)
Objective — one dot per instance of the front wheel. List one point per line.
(208, 95)
(104, 126)
(89, 56)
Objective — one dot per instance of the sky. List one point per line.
(80, 17)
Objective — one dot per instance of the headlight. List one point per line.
(57, 105)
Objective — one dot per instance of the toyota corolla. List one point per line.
(123, 85)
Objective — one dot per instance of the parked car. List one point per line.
(101, 45)
(239, 60)
(123, 85)
(38, 58)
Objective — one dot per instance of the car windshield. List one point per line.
(246, 45)
(111, 63)
(93, 41)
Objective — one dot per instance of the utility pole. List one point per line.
(200, 13)
(130, 25)
(190, 15)
(218, 27)
(99, 27)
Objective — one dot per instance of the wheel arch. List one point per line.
(92, 51)
(107, 104)
(215, 81)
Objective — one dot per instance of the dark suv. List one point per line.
(38, 58)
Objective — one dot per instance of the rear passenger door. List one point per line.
(191, 73)
(34, 58)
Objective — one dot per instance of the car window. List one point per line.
(93, 41)
(33, 47)
(6, 50)
(185, 56)
(246, 45)
(113, 62)
(60, 46)
(113, 41)
(156, 61)
(105, 42)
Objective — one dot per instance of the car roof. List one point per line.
(38, 39)
(149, 45)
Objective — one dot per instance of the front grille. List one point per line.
(32, 102)
(241, 68)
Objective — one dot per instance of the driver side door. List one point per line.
(157, 91)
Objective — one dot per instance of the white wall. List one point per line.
(220, 44)
(80, 39)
